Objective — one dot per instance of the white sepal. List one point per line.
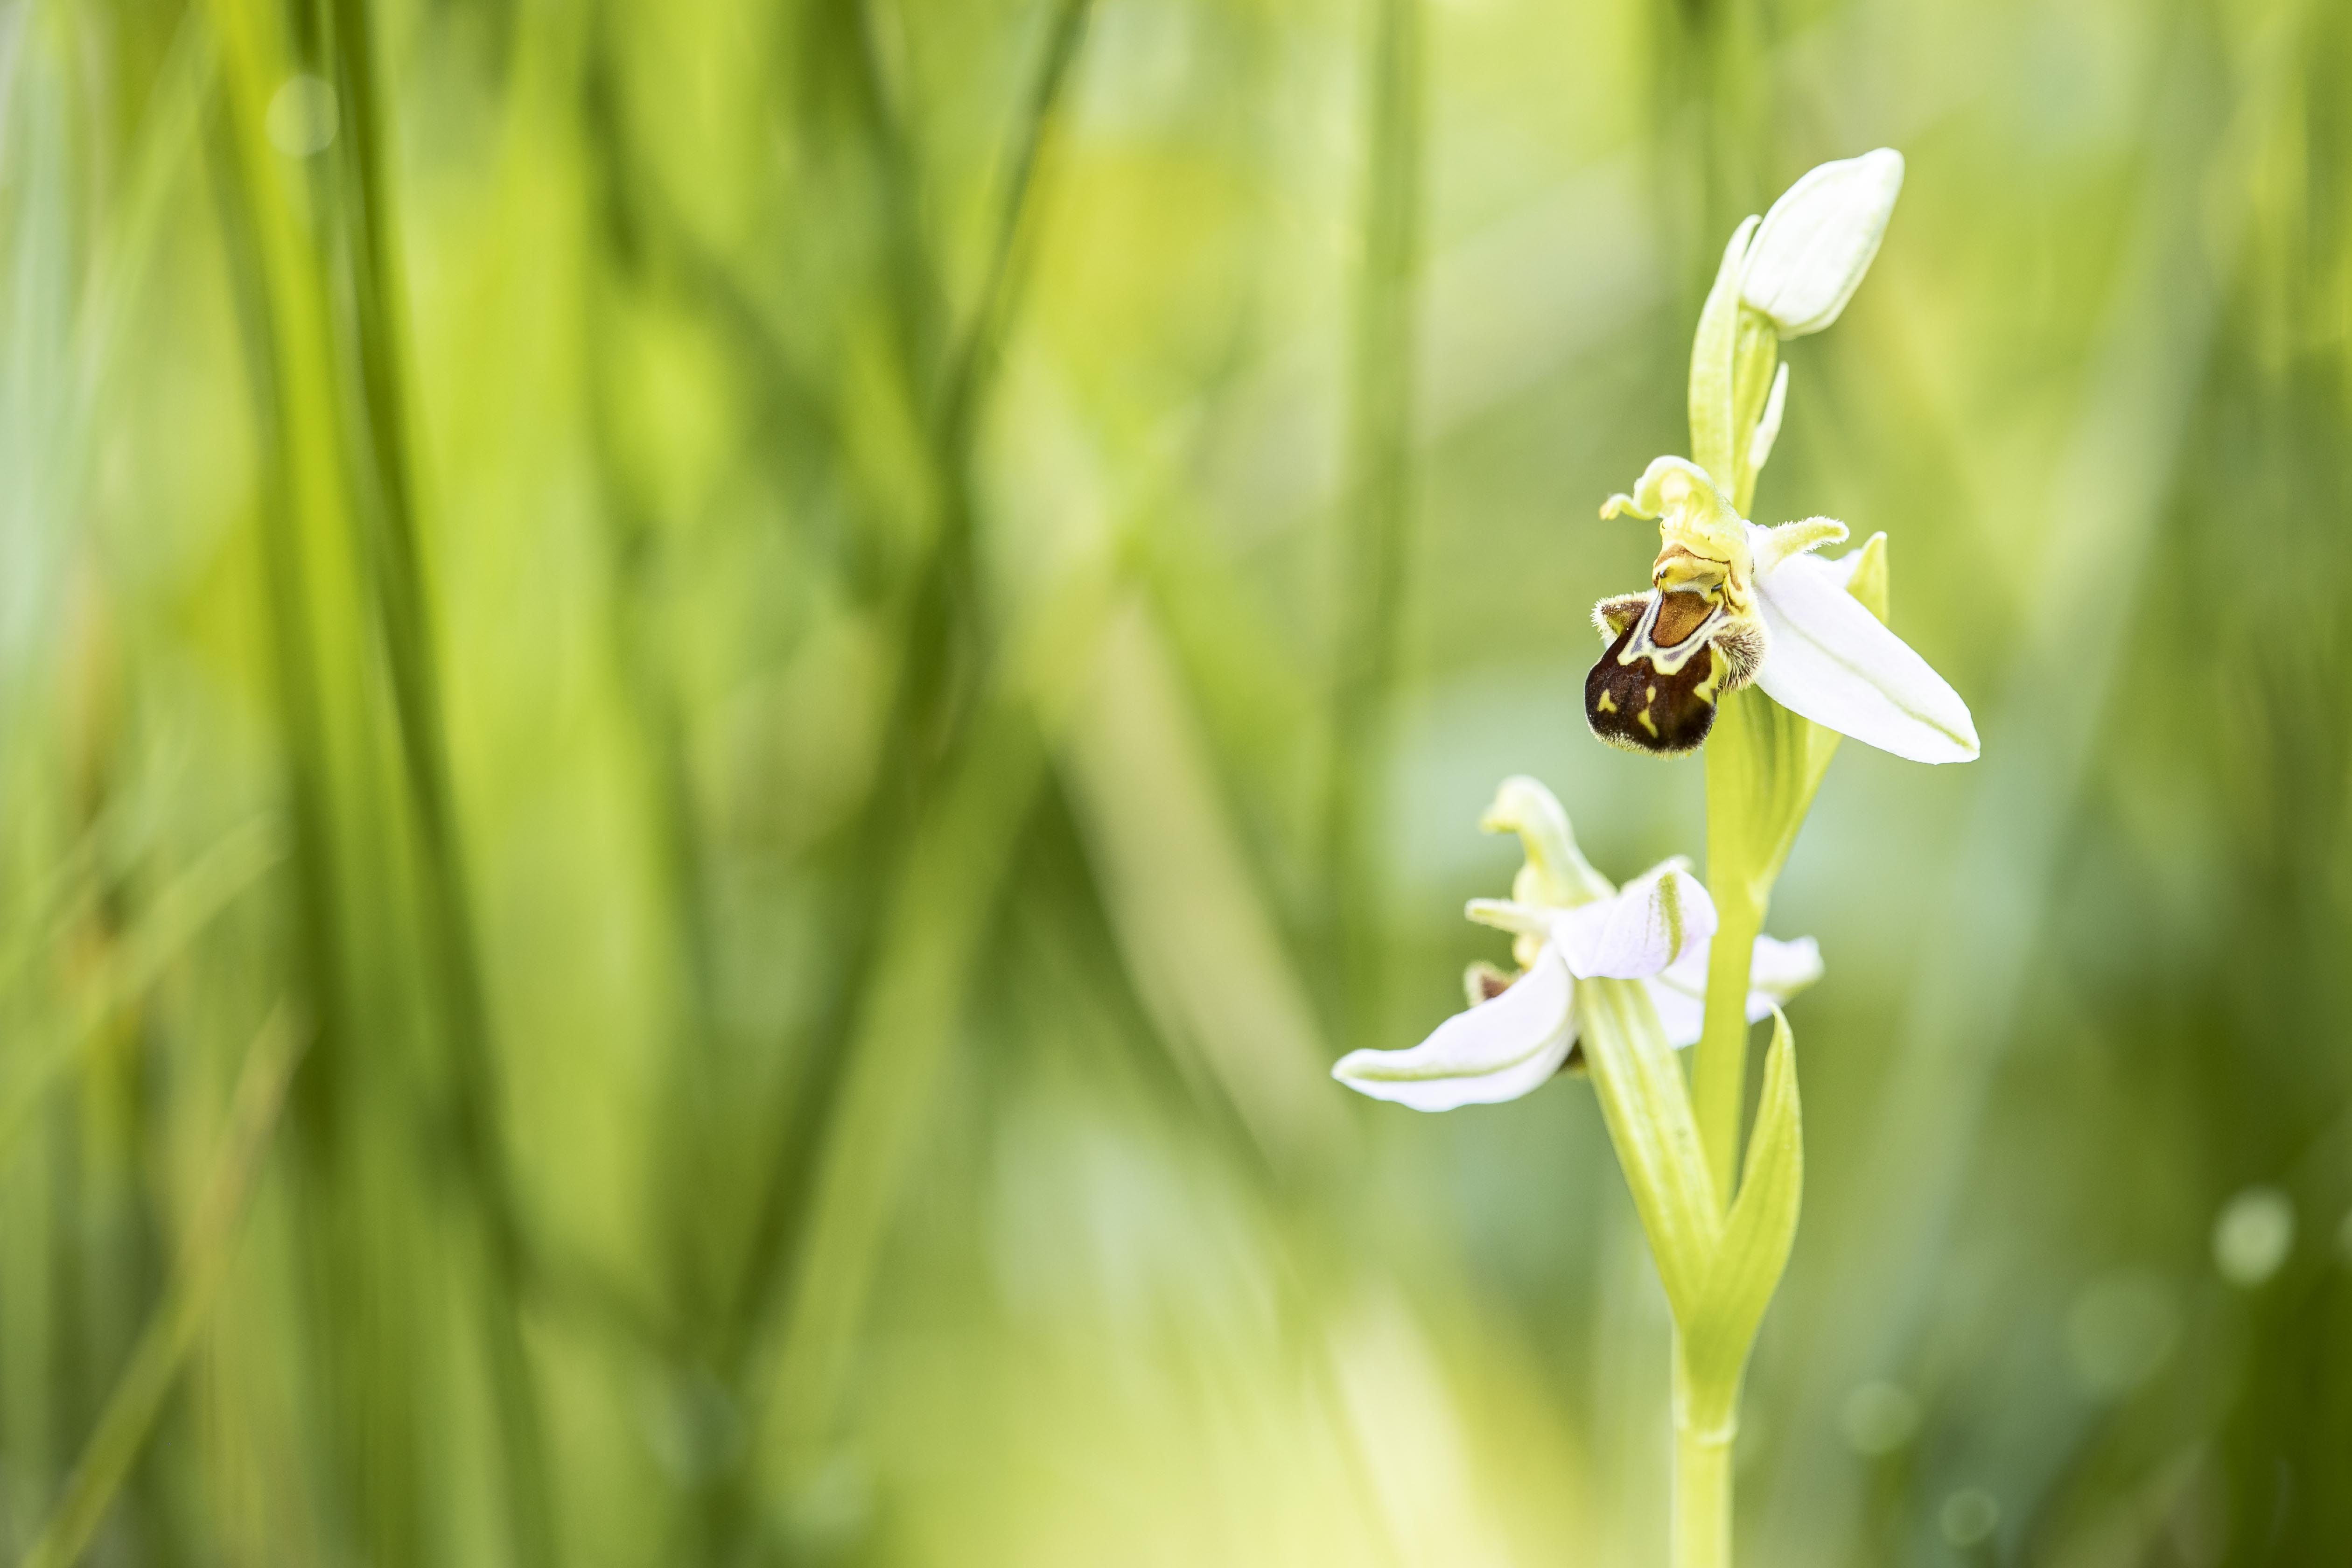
(1818, 241)
(1832, 662)
(1654, 920)
(1777, 971)
(1498, 1050)
(1682, 1012)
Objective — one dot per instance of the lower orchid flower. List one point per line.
(1570, 927)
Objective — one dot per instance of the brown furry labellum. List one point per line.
(1675, 653)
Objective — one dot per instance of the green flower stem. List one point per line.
(1701, 1533)
(1719, 1065)
(1762, 766)
(1733, 362)
(1719, 1265)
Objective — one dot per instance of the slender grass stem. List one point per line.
(1378, 506)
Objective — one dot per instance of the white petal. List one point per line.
(1498, 1050)
(1830, 659)
(1656, 919)
(1819, 239)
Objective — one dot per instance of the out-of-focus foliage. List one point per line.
(805, 661)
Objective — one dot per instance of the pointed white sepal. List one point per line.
(1818, 241)
(1498, 1050)
(1830, 659)
(1777, 971)
(1652, 920)
(1681, 1008)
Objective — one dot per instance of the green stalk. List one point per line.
(1700, 1536)
(1736, 356)
(1762, 764)
(1719, 1066)
(1720, 1266)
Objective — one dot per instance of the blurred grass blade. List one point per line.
(163, 1345)
(1035, 128)
(939, 917)
(1375, 515)
(1205, 954)
(127, 247)
(171, 923)
(964, 758)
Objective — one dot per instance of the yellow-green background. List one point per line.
(818, 653)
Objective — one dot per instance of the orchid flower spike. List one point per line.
(1569, 927)
(1730, 603)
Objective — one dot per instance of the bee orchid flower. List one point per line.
(1570, 927)
(1730, 603)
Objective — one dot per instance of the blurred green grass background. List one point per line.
(710, 712)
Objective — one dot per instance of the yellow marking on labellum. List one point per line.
(1643, 718)
(1607, 704)
(1649, 695)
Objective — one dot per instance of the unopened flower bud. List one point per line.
(1818, 240)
